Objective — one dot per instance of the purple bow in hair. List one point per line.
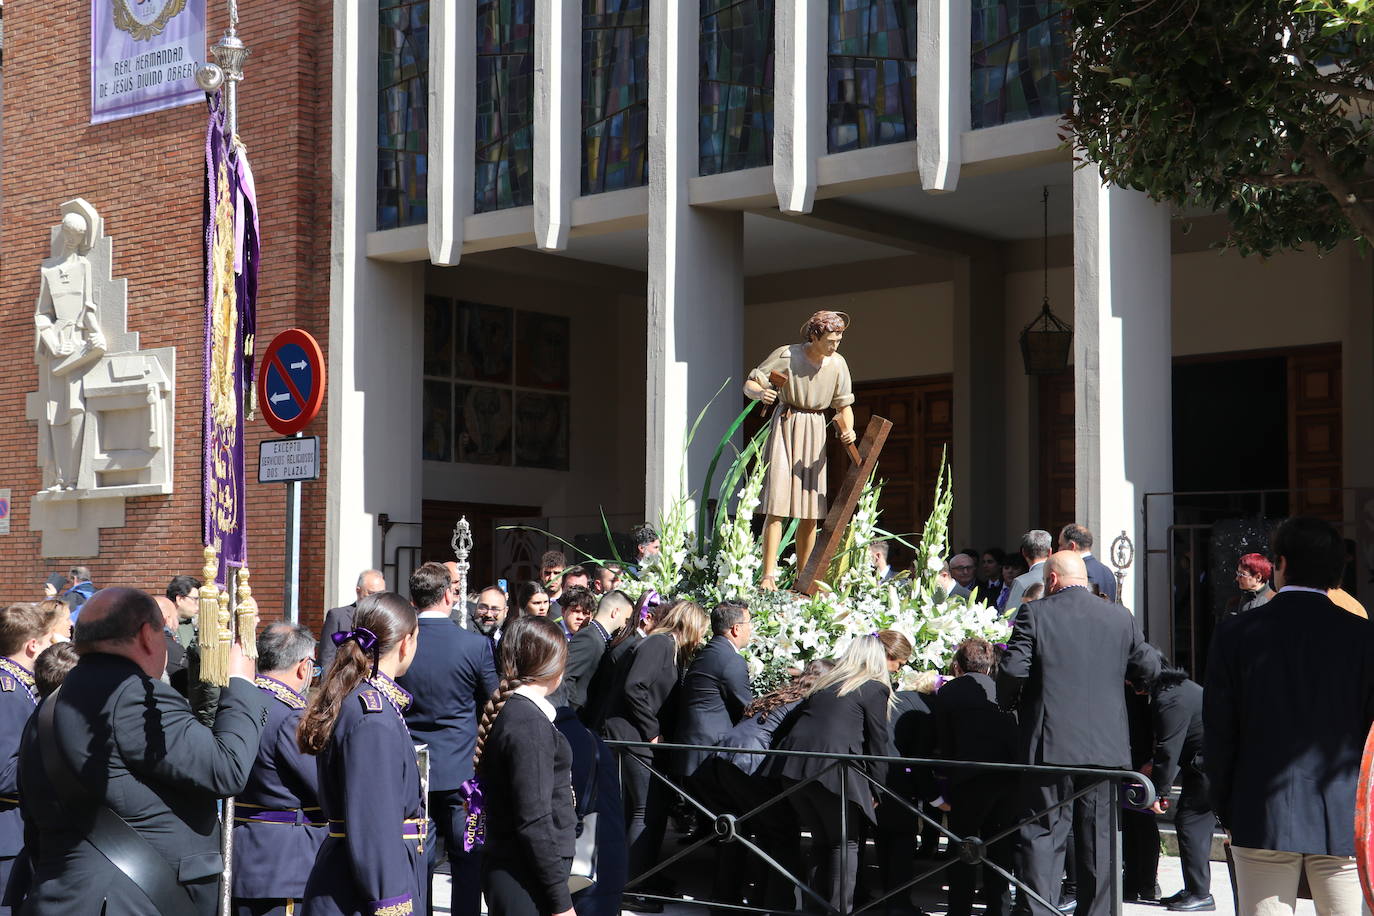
(365, 638)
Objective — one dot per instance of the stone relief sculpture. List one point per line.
(104, 408)
(69, 341)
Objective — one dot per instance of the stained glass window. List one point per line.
(736, 101)
(1018, 47)
(615, 94)
(505, 105)
(402, 112)
(871, 74)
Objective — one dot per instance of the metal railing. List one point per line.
(1137, 789)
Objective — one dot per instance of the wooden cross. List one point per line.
(862, 462)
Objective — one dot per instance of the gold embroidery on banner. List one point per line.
(404, 908)
(224, 498)
(126, 21)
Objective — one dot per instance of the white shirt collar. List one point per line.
(1302, 588)
(532, 694)
(428, 615)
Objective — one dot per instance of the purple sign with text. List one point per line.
(144, 55)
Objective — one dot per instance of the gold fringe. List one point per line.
(208, 618)
(246, 614)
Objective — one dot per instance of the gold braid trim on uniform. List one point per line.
(404, 908)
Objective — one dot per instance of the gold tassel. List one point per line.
(246, 614)
(214, 663)
(208, 620)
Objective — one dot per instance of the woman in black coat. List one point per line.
(846, 712)
(641, 711)
(524, 768)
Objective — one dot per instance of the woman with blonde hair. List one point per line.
(846, 712)
(644, 710)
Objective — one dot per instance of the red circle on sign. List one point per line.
(311, 406)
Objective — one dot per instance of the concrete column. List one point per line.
(374, 333)
(696, 288)
(799, 100)
(557, 118)
(942, 90)
(980, 446)
(452, 116)
(1357, 422)
(1123, 365)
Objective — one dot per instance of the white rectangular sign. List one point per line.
(288, 460)
(144, 55)
(5, 511)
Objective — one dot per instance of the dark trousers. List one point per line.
(447, 818)
(1195, 823)
(982, 807)
(1139, 852)
(646, 813)
(834, 860)
(512, 892)
(1040, 855)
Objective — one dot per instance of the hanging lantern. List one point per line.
(1047, 341)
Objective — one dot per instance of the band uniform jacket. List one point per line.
(449, 681)
(526, 776)
(856, 723)
(1288, 702)
(644, 709)
(713, 696)
(18, 698)
(373, 858)
(278, 825)
(1066, 661)
(134, 742)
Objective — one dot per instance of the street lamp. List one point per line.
(1047, 341)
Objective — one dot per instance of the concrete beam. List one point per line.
(557, 112)
(942, 91)
(452, 113)
(891, 229)
(799, 101)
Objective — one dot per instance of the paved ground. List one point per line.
(1170, 880)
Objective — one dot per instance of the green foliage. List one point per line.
(1260, 109)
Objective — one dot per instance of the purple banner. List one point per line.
(144, 55)
(231, 285)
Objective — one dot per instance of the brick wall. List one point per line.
(145, 177)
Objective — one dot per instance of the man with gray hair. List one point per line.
(138, 831)
(1079, 539)
(340, 619)
(279, 828)
(1035, 547)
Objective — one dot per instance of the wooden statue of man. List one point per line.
(804, 380)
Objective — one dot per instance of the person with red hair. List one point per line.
(1252, 577)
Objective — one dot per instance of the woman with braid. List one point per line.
(524, 767)
(373, 858)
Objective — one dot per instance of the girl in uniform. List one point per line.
(372, 862)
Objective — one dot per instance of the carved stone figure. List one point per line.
(103, 406)
(69, 343)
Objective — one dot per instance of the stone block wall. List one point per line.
(146, 178)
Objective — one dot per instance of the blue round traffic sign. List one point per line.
(291, 381)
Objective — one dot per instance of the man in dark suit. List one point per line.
(340, 619)
(1288, 701)
(142, 754)
(970, 726)
(450, 679)
(1079, 539)
(589, 667)
(1066, 662)
(716, 688)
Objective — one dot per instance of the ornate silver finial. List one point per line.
(1123, 555)
(462, 548)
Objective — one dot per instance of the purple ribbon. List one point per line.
(475, 826)
(365, 638)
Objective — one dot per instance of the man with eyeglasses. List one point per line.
(962, 567)
(490, 613)
(278, 826)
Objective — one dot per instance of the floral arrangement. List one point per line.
(791, 629)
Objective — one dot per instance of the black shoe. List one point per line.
(1192, 903)
(637, 904)
(1174, 898)
(1068, 906)
(1143, 895)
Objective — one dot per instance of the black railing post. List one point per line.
(1113, 826)
(844, 909)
